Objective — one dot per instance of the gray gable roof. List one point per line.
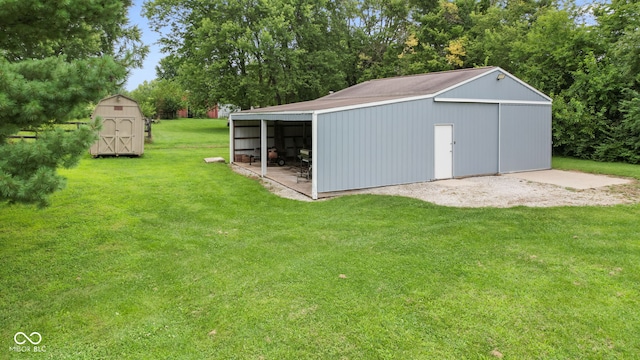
(388, 89)
(406, 86)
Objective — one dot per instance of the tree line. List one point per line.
(256, 53)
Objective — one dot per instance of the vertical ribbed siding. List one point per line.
(475, 135)
(525, 137)
(489, 88)
(376, 146)
(393, 144)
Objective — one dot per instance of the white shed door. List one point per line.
(443, 151)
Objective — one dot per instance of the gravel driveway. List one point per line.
(498, 191)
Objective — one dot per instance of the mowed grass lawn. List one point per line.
(165, 256)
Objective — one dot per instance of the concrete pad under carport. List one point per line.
(569, 179)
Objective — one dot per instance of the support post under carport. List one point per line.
(499, 137)
(314, 156)
(232, 142)
(263, 148)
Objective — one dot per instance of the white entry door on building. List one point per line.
(443, 151)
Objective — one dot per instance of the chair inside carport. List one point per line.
(305, 164)
(255, 156)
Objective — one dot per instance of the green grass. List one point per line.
(590, 166)
(165, 256)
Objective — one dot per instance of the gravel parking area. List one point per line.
(498, 191)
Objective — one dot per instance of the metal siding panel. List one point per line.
(427, 141)
(355, 162)
(339, 144)
(246, 136)
(475, 133)
(328, 145)
(476, 137)
(424, 138)
(369, 147)
(385, 126)
(488, 88)
(525, 138)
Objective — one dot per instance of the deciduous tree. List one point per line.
(253, 52)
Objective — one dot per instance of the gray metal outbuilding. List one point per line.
(407, 129)
(122, 127)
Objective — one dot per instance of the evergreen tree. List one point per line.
(55, 58)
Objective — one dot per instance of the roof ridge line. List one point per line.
(429, 73)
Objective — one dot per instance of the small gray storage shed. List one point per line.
(122, 127)
(408, 129)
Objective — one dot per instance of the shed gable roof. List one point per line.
(116, 96)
